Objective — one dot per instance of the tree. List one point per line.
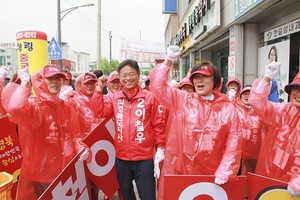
(106, 68)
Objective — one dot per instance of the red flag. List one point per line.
(102, 170)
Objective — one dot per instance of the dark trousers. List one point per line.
(142, 173)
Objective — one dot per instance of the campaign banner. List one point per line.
(102, 170)
(183, 187)
(72, 183)
(11, 155)
(267, 188)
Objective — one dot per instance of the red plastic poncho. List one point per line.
(253, 132)
(83, 105)
(2, 110)
(279, 157)
(48, 131)
(203, 137)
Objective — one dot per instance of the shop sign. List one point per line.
(204, 18)
(283, 30)
(243, 6)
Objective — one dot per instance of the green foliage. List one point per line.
(107, 68)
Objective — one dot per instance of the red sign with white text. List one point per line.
(11, 155)
(102, 170)
(196, 187)
(264, 188)
(72, 183)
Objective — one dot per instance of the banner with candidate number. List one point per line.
(183, 187)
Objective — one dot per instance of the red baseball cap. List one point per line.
(88, 76)
(113, 76)
(68, 75)
(246, 88)
(296, 82)
(205, 70)
(185, 81)
(51, 70)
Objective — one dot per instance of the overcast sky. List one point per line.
(124, 18)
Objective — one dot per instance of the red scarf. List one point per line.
(130, 93)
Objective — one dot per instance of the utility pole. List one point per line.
(99, 36)
(110, 37)
(59, 61)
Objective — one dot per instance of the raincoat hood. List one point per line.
(40, 86)
(233, 79)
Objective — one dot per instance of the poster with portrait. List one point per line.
(279, 52)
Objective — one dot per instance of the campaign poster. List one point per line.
(102, 169)
(11, 155)
(264, 188)
(202, 187)
(71, 183)
(279, 52)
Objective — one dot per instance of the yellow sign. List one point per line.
(32, 49)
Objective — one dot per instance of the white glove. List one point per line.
(24, 75)
(231, 94)
(219, 181)
(3, 72)
(173, 52)
(292, 192)
(159, 156)
(272, 69)
(84, 155)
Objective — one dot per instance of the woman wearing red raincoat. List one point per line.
(49, 131)
(203, 138)
(279, 156)
(253, 131)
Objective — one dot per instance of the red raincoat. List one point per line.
(2, 110)
(203, 137)
(278, 158)
(48, 131)
(83, 106)
(253, 131)
(139, 123)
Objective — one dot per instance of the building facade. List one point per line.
(236, 36)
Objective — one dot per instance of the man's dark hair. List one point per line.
(131, 63)
(98, 73)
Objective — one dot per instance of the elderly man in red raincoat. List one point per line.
(49, 131)
(279, 156)
(203, 138)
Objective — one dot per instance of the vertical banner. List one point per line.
(102, 170)
(71, 184)
(183, 187)
(32, 49)
(10, 151)
(264, 188)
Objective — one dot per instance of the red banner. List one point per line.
(102, 170)
(11, 155)
(264, 188)
(72, 183)
(195, 187)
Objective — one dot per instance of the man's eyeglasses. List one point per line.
(130, 75)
